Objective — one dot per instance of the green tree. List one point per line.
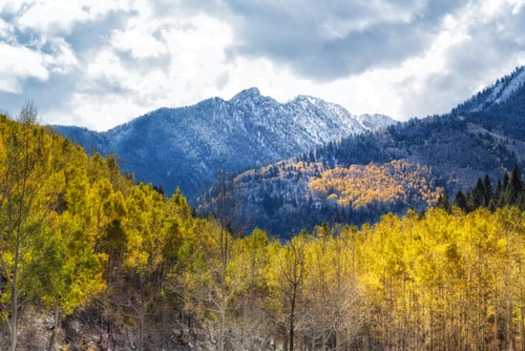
(143, 257)
(72, 273)
(252, 329)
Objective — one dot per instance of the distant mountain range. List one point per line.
(414, 161)
(307, 161)
(186, 147)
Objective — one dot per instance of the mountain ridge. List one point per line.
(450, 151)
(185, 147)
(497, 93)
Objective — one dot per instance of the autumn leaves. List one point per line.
(74, 232)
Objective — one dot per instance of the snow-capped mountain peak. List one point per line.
(249, 93)
(186, 146)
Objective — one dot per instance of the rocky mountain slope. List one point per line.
(186, 147)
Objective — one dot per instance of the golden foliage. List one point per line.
(447, 281)
(390, 183)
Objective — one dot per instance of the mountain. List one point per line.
(374, 122)
(497, 94)
(486, 134)
(185, 147)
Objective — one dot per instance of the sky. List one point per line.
(100, 63)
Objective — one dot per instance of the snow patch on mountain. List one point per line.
(374, 122)
(185, 147)
(499, 93)
(511, 87)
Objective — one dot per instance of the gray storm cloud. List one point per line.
(329, 40)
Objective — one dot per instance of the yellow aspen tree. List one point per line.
(142, 258)
(252, 328)
(25, 167)
(290, 269)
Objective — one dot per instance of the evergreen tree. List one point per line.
(505, 181)
(504, 193)
(520, 203)
(487, 187)
(444, 201)
(515, 186)
(510, 192)
(497, 194)
(461, 201)
(476, 197)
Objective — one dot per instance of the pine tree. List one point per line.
(476, 197)
(504, 194)
(497, 195)
(461, 201)
(24, 203)
(515, 186)
(487, 187)
(444, 201)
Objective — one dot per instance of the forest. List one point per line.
(286, 197)
(394, 183)
(82, 243)
(336, 181)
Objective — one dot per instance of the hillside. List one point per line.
(92, 261)
(73, 230)
(486, 134)
(186, 147)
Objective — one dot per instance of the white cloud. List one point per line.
(19, 63)
(55, 16)
(195, 51)
(404, 58)
(63, 59)
(475, 47)
(140, 45)
(6, 31)
(97, 112)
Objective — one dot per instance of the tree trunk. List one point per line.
(221, 324)
(13, 332)
(292, 317)
(222, 303)
(13, 328)
(55, 329)
(142, 313)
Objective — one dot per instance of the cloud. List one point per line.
(87, 38)
(139, 44)
(6, 31)
(98, 64)
(60, 16)
(111, 48)
(329, 40)
(475, 47)
(19, 63)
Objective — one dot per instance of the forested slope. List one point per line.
(92, 261)
(484, 135)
